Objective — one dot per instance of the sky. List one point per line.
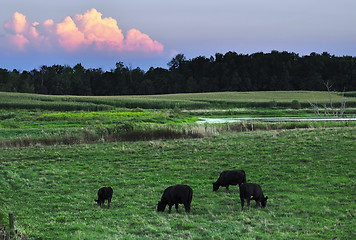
(149, 33)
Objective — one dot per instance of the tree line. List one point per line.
(275, 71)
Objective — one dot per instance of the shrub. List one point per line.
(272, 104)
(124, 127)
(295, 104)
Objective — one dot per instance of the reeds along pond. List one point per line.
(121, 132)
(136, 132)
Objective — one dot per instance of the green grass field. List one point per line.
(307, 170)
(309, 176)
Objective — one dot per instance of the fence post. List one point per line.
(12, 226)
(3, 235)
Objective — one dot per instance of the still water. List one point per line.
(260, 119)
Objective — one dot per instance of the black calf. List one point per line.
(104, 193)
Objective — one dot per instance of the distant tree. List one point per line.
(160, 78)
(4, 80)
(23, 84)
(176, 62)
(80, 83)
(95, 78)
(135, 82)
(121, 80)
(222, 72)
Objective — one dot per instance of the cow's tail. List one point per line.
(244, 178)
(190, 197)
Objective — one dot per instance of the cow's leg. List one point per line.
(227, 188)
(187, 208)
(248, 203)
(169, 208)
(258, 203)
(176, 205)
(109, 200)
(242, 203)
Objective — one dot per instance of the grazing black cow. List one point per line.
(174, 195)
(226, 178)
(252, 191)
(104, 193)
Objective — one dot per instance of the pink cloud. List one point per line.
(19, 41)
(137, 41)
(33, 30)
(17, 24)
(103, 32)
(48, 23)
(69, 37)
(83, 31)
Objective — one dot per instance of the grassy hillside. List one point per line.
(188, 101)
(308, 175)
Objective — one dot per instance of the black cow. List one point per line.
(174, 195)
(252, 191)
(104, 193)
(226, 178)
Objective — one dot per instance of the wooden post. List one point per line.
(3, 235)
(12, 226)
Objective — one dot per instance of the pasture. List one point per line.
(307, 170)
(308, 174)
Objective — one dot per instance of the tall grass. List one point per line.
(120, 132)
(127, 131)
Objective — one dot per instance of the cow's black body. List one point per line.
(252, 191)
(104, 193)
(175, 195)
(227, 178)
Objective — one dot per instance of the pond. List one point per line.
(270, 119)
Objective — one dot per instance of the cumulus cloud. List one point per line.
(82, 31)
(135, 40)
(103, 32)
(17, 24)
(69, 37)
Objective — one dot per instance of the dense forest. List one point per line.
(223, 72)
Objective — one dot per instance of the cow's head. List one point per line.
(264, 202)
(215, 186)
(161, 207)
